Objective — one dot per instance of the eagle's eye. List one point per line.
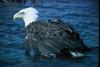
(21, 13)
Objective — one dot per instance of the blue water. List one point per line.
(82, 14)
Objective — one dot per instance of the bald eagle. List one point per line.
(50, 39)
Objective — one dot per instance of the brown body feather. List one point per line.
(52, 39)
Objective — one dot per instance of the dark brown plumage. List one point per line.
(51, 39)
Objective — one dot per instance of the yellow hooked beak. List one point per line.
(17, 15)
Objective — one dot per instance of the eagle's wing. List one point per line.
(54, 39)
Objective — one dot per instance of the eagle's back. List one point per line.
(52, 38)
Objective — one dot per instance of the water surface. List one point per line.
(83, 15)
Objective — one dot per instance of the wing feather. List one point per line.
(50, 38)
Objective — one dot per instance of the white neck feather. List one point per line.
(29, 18)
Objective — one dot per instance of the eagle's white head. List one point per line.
(29, 15)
